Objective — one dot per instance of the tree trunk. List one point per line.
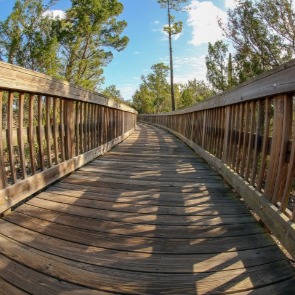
(171, 59)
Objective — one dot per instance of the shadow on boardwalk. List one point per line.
(149, 217)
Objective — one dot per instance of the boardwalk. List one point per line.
(149, 217)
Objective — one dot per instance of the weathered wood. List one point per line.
(261, 176)
(20, 79)
(10, 121)
(3, 179)
(12, 195)
(55, 130)
(85, 234)
(273, 218)
(40, 133)
(31, 134)
(279, 80)
(48, 130)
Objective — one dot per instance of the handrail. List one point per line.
(49, 128)
(248, 135)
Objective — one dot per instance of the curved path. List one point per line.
(149, 217)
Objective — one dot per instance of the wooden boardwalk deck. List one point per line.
(149, 217)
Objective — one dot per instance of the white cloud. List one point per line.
(230, 4)
(203, 18)
(55, 14)
(156, 22)
(187, 68)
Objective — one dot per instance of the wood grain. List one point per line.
(82, 236)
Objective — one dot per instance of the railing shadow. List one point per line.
(142, 221)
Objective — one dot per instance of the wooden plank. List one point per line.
(23, 189)
(282, 165)
(257, 136)
(173, 246)
(267, 115)
(21, 135)
(87, 275)
(40, 133)
(10, 121)
(142, 230)
(3, 180)
(226, 134)
(275, 147)
(273, 218)
(168, 263)
(31, 134)
(250, 141)
(55, 130)
(34, 282)
(48, 130)
(24, 80)
(245, 140)
(81, 128)
(290, 174)
(240, 145)
(7, 289)
(62, 129)
(76, 127)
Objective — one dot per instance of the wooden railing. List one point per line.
(248, 135)
(48, 128)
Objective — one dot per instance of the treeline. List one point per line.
(260, 34)
(154, 96)
(74, 47)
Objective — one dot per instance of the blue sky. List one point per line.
(148, 44)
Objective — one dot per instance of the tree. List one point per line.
(194, 91)
(220, 70)
(113, 93)
(75, 48)
(90, 33)
(153, 93)
(263, 34)
(28, 38)
(171, 29)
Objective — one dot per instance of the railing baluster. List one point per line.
(21, 135)
(267, 115)
(55, 130)
(250, 141)
(284, 138)
(3, 179)
(257, 137)
(62, 130)
(31, 134)
(48, 130)
(10, 122)
(40, 133)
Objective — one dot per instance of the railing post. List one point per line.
(226, 134)
(69, 130)
(204, 129)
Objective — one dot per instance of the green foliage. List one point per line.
(263, 34)
(113, 93)
(75, 48)
(90, 33)
(220, 69)
(192, 92)
(153, 94)
(28, 38)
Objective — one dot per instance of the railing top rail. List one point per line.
(279, 80)
(19, 79)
